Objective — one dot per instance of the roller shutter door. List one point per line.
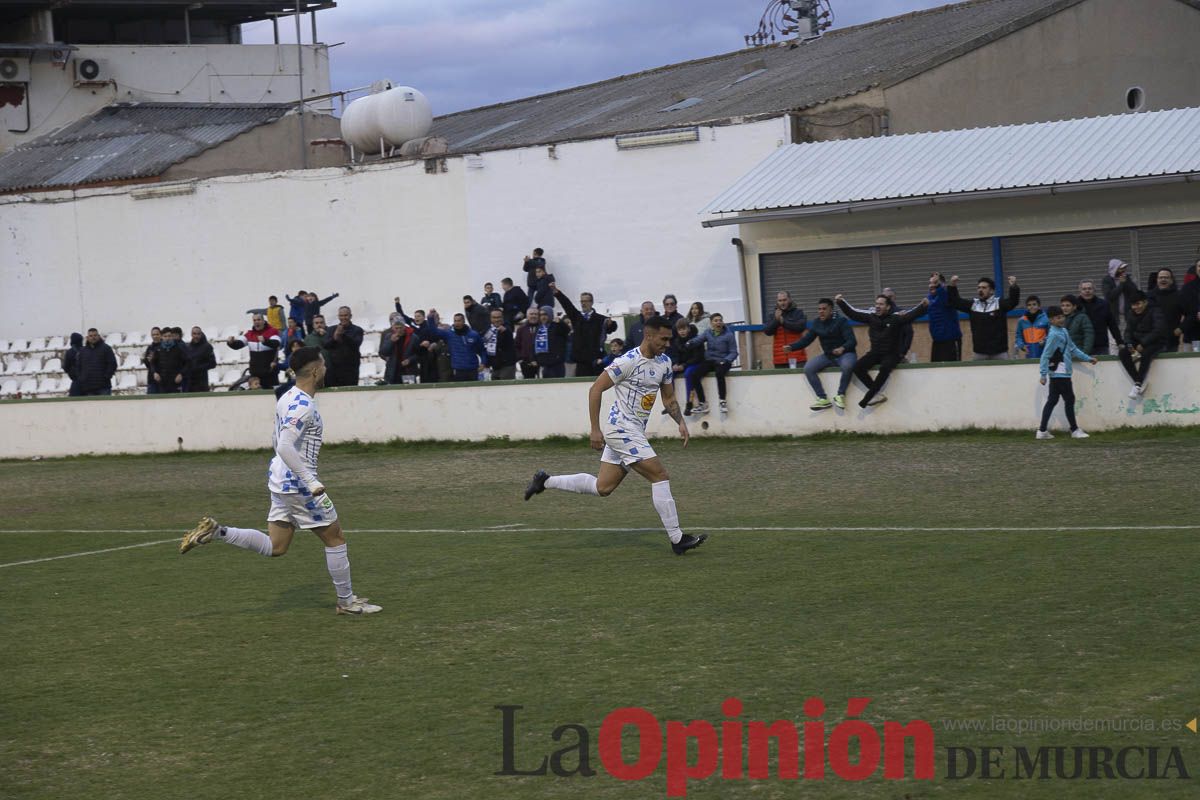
(1174, 246)
(905, 268)
(811, 275)
(1051, 265)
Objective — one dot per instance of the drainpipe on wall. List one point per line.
(748, 348)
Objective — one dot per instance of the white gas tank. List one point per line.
(394, 116)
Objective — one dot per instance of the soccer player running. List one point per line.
(637, 377)
(298, 499)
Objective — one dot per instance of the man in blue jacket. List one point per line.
(466, 349)
(838, 346)
(944, 328)
(720, 351)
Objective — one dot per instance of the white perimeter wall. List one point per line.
(920, 398)
(622, 224)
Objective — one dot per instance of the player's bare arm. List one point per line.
(672, 407)
(599, 387)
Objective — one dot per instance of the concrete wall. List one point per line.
(163, 74)
(1079, 62)
(920, 398)
(1073, 211)
(622, 224)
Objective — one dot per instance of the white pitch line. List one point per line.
(732, 529)
(85, 553)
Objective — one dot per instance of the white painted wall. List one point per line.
(209, 73)
(920, 398)
(622, 224)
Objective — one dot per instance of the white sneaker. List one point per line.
(724, 410)
(1135, 392)
(357, 606)
(1045, 435)
(700, 410)
(1141, 387)
(203, 533)
(1079, 434)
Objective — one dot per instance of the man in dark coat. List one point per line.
(514, 303)
(477, 315)
(70, 362)
(171, 362)
(885, 327)
(344, 343)
(588, 331)
(500, 349)
(96, 366)
(201, 359)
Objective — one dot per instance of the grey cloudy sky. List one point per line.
(468, 53)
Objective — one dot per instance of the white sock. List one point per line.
(339, 570)
(664, 504)
(581, 483)
(246, 538)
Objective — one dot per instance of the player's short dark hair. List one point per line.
(988, 281)
(92, 330)
(537, 251)
(506, 280)
(825, 301)
(468, 297)
(303, 357)
(1055, 311)
(1137, 297)
(659, 322)
(1069, 298)
(178, 331)
(1034, 298)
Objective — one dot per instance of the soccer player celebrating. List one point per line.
(637, 376)
(298, 499)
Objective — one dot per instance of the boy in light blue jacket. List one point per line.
(1056, 358)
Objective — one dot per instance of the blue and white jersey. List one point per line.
(636, 381)
(297, 426)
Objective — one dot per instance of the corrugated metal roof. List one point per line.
(843, 62)
(1043, 154)
(129, 141)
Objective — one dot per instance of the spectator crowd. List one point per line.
(536, 331)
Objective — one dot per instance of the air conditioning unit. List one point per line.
(14, 70)
(91, 70)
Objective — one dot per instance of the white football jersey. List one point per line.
(296, 412)
(636, 381)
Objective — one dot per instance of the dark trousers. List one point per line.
(558, 370)
(463, 375)
(1060, 387)
(949, 350)
(587, 369)
(107, 390)
(338, 375)
(197, 383)
(507, 373)
(529, 370)
(720, 369)
(886, 363)
(1139, 371)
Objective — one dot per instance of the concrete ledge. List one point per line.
(921, 397)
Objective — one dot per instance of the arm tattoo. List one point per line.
(672, 407)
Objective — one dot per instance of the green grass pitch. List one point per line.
(138, 673)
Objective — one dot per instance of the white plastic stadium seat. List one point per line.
(15, 367)
(32, 366)
(368, 373)
(114, 339)
(51, 365)
(28, 387)
(232, 376)
(233, 330)
(214, 378)
(5, 346)
(36, 345)
(136, 339)
(127, 382)
(131, 361)
(64, 385)
(8, 388)
(55, 343)
(47, 387)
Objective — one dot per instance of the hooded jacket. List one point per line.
(201, 359)
(1147, 329)
(1058, 353)
(833, 333)
(682, 352)
(793, 325)
(96, 365)
(883, 331)
(466, 346)
(717, 346)
(989, 318)
(70, 359)
(943, 319)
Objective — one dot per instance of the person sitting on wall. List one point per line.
(1145, 338)
(884, 326)
(838, 346)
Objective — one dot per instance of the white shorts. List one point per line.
(302, 510)
(626, 446)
